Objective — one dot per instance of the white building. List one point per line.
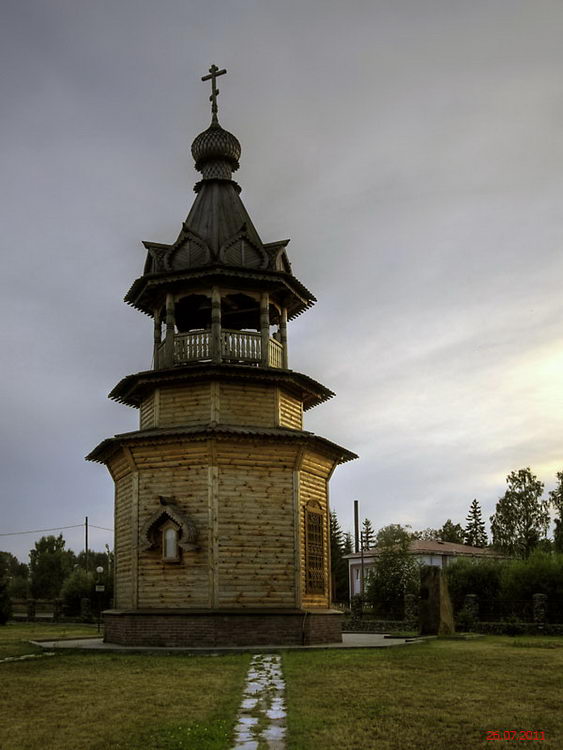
(431, 552)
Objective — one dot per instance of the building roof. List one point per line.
(166, 434)
(133, 388)
(435, 547)
(218, 234)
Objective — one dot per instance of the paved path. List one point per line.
(349, 640)
(261, 720)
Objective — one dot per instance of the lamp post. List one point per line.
(100, 588)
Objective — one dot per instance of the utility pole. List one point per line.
(356, 527)
(86, 541)
(359, 544)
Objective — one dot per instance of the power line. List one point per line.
(57, 528)
(38, 531)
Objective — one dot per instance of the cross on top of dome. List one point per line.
(214, 73)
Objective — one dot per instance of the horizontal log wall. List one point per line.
(147, 413)
(184, 583)
(185, 405)
(124, 498)
(313, 487)
(245, 404)
(290, 411)
(255, 535)
(242, 496)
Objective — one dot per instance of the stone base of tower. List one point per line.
(215, 629)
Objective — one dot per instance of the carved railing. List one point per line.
(275, 353)
(191, 347)
(241, 346)
(236, 346)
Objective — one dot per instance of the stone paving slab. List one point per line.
(262, 715)
(349, 640)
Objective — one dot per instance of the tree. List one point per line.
(556, 500)
(395, 571)
(475, 533)
(347, 546)
(95, 560)
(49, 564)
(451, 532)
(339, 566)
(5, 603)
(11, 566)
(426, 535)
(368, 534)
(15, 575)
(522, 517)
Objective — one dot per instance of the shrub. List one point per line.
(466, 621)
(480, 577)
(513, 626)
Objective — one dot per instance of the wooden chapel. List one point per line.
(221, 496)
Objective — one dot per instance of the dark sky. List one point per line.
(412, 150)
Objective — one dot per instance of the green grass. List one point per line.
(438, 695)
(104, 701)
(15, 637)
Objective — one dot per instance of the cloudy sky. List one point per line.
(412, 150)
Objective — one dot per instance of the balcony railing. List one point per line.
(236, 346)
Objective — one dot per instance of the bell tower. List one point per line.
(221, 496)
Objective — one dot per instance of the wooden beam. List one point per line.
(169, 341)
(216, 325)
(265, 327)
(157, 337)
(283, 337)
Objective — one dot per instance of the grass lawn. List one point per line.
(14, 636)
(104, 701)
(440, 695)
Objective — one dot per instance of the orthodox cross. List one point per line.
(214, 72)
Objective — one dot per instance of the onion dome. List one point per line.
(216, 153)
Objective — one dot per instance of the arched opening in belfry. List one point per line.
(193, 313)
(240, 312)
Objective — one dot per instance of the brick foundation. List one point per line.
(221, 628)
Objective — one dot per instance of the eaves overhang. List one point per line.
(144, 289)
(103, 452)
(133, 388)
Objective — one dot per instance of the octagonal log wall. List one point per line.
(247, 499)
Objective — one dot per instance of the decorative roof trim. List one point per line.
(108, 447)
(152, 280)
(125, 392)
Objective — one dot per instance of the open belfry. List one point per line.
(221, 496)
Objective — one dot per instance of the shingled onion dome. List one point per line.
(216, 153)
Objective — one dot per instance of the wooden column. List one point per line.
(283, 337)
(216, 354)
(265, 327)
(157, 338)
(169, 341)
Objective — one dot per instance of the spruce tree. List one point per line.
(339, 566)
(348, 546)
(475, 533)
(368, 534)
